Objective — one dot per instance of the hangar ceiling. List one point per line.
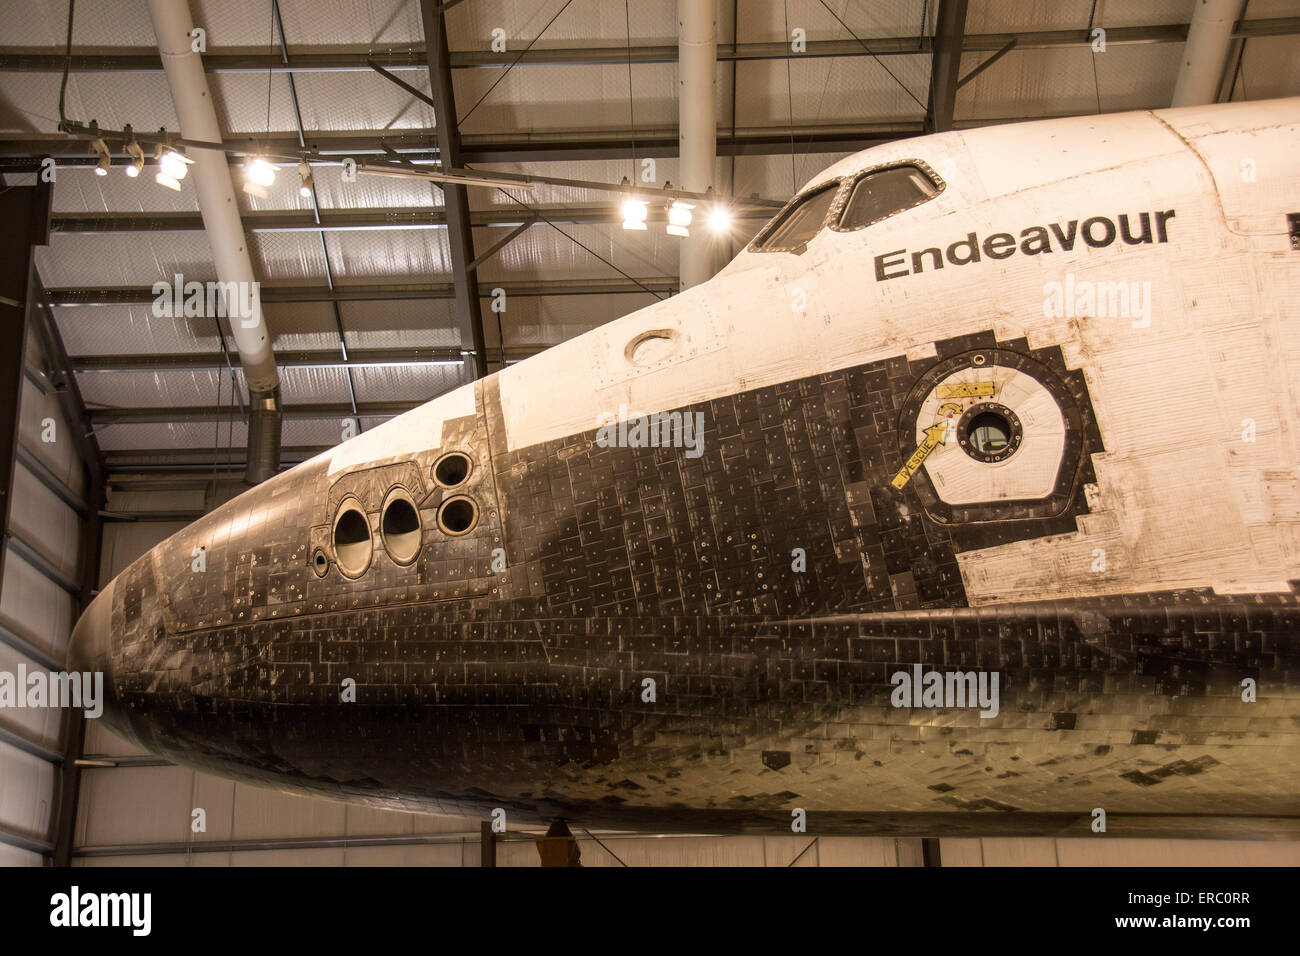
(584, 90)
(359, 288)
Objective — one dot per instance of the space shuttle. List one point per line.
(966, 499)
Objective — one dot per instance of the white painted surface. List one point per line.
(1181, 499)
(1028, 473)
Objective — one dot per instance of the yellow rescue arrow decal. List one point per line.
(933, 439)
(966, 390)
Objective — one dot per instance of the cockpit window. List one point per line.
(878, 194)
(799, 223)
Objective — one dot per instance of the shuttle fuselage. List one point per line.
(1012, 406)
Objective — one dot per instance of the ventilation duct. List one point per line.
(697, 108)
(173, 25)
(1209, 38)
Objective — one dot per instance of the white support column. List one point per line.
(697, 106)
(1208, 39)
(172, 24)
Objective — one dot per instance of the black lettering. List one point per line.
(1109, 233)
(916, 259)
(1036, 235)
(969, 242)
(1000, 245)
(1161, 218)
(1066, 240)
(1128, 236)
(894, 258)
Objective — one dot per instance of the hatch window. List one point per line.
(802, 220)
(879, 194)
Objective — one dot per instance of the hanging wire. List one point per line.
(864, 46)
(789, 95)
(270, 60)
(1241, 58)
(579, 244)
(631, 115)
(461, 121)
(1096, 82)
(67, 67)
(216, 433)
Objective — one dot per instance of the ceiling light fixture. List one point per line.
(308, 181)
(135, 164)
(172, 167)
(720, 219)
(635, 212)
(679, 218)
(258, 175)
(105, 158)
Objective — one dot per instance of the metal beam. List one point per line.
(47, 568)
(306, 358)
(200, 459)
(42, 473)
(310, 186)
(92, 540)
(415, 91)
(359, 59)
(35, 313)
(501, 243)
(12, 636)
(945, 69)
(336, 842)
(29, 746)
(379, 292)
(183, 516)
(112, 762)
(222, 413)
(67, 392)
(368, 219)
(455, 197)
(24, 151)
(24, 841)
(26, 212)
(986, 64)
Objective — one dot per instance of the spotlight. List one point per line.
(304, 171)
(136, 163)
(679, 218)
(634, 214)
(172, 167)
(720, 219)
(105, 158)
(258, 174)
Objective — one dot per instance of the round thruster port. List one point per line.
(320, 563)
(458, 515)
(989, 432)
(353, 545)
(452, 469)
(399, 526)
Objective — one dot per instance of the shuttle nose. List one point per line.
(91, 644)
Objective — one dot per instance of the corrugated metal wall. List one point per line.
(36, 617)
